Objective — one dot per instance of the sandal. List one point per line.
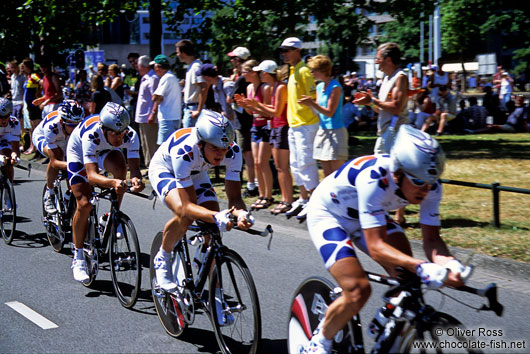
(281, 208)
(264, 204)
(256, 204)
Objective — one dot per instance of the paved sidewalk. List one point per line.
(500, 266)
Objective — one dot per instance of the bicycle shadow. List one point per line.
(24, 240)
(277, 346)
(204, 340)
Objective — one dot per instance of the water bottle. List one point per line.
(200, 255)
(103, 221)
(378, 323)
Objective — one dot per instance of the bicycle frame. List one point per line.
(103, 236)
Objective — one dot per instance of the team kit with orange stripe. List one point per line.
(358, 196)
(179, 163)
(49, 133)
(88, 144)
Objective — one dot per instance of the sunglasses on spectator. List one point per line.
(418, 182)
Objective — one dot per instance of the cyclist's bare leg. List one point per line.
(115, 164)
(356, 290)
(82, 193)
(176, 227)
(52, 171)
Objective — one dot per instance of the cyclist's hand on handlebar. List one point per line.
(137, 185)
(432, 274)
(244, 219)
(223, 220)
(459, 273)
(120, 186)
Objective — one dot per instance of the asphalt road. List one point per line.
(92, 320)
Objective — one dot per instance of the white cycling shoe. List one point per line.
(164, 276)
(316, 345)
(80, 270)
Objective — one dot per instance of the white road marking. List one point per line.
(31, 315)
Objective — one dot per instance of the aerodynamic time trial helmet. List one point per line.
(71, 111)
(214, 128)
(115, 117)
(6, 107)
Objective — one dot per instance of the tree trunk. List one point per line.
(155, 28)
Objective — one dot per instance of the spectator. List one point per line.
(194, 85)
(350, 114)
(438, 78)
(506, 89)
(243, 122)
(133, 81)
(100, 96)
(475, 116)
(517, 121)
(491, 102)
(446, 111)
(103, 71)
(261, 149)
(51, 87)
(393, 95)
(331, 140)
(457, 125)
(17, 92)
(116, 82)
(147, 123)
(4, 83)
(303, 123)
(82, 90)
(416, 82)
(426, 108)
(497, 78)
(279, 141)
(472, 82)
(215, 85)
(31, 92)
(167, 99)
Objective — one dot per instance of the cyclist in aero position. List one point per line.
(95, 144)
(179, 175)
(51, 137)
(9, 136)
(352, 204)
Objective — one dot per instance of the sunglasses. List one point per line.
(116, 133)
(70, 125)
(418, 182)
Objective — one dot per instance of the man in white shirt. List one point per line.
(147, 123)
(167, 99)
(195, 89)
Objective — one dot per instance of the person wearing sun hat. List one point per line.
(303, 123)
(167, 99)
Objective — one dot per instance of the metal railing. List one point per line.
(496, 188)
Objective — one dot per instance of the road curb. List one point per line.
(508, 267)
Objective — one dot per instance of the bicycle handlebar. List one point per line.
(489, 292)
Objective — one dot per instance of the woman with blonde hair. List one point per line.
(331, 140)
(276, 112)
(115, 83)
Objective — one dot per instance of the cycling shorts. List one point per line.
(77, 170)
(334, 236)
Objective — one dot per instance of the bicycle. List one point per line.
(404, 319)
(240, 330)
(8, 204)
(118, 240)
(58, 225)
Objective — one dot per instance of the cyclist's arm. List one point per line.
(56, 163)
(95, 178)
(135, 174)
(385, 254)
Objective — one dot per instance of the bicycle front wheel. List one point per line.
(442, 333)
(8, 210)
(53, 225)
(167, 306)
(125, 261)
(234, 305)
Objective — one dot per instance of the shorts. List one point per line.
(187, 121)
(165, 129)
(34, 112)
(280, 138)
(77, 170)
(243, 139)
(331, 144)
(163, 181)
(18, 111)
(260, 134)
(334, 236)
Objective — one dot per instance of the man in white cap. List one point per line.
(243, 121)
(303, 124)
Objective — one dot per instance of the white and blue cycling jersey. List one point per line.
(9, 133)
(179, 163)
(49, 133)
(87, 144)
(358, 196)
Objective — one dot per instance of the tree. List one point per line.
(48, 27)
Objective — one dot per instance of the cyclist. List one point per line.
(179, 174)
(352, 204)
(9, 138)
(95, 144)
(50, 138)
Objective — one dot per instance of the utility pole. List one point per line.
(437, 35)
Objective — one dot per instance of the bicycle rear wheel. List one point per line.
(308, 308)
(232, 285)
(428, 338)
(125, 261)
(53, 225)
(8, 211)
(166, 305)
